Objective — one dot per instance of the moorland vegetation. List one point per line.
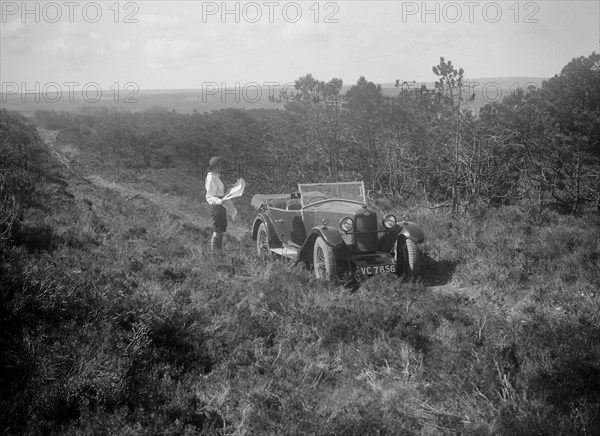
(115, 318)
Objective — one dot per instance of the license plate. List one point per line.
(377, 269)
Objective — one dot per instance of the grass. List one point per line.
(118, 320)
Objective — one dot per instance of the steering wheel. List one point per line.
(311, 200)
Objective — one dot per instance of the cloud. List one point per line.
(159, 21)
(77, 45)
(305, 32)
(71, 42)
(71, 29)
(159, 52)
(58, 46)
(12, 29)
(16, 37)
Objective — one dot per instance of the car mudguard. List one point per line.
(412, 232)
(388, 239)
(331, 236)
(274, 240)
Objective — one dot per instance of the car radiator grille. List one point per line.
(366, 242)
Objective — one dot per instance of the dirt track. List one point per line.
(180, 208)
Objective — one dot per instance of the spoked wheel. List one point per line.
(323, 260)
(408, 258)
(262, 243)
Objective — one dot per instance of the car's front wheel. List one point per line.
(262, 243)
(323, 260)
(408, 258)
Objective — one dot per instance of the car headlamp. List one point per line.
(346, 224)
(389, 221)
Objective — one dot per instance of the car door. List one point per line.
(286, 225)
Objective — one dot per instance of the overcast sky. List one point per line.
(186, 44)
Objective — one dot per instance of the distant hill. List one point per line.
(486, 90)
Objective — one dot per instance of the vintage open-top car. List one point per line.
(330, 227)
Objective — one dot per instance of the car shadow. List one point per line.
(437, 272)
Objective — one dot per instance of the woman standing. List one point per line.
(215, 191)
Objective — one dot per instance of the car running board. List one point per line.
(289, 252)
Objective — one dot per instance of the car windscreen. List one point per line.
(314, 192)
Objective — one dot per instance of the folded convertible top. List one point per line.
(260, 199)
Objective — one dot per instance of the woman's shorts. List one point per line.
(218, 213)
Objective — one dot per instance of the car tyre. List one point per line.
(262, 243)
(408, 258)
(323, 260)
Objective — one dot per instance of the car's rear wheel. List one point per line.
(323, 260)
(262, 243)
(408, 258)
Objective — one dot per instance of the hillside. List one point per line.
(116, 320)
